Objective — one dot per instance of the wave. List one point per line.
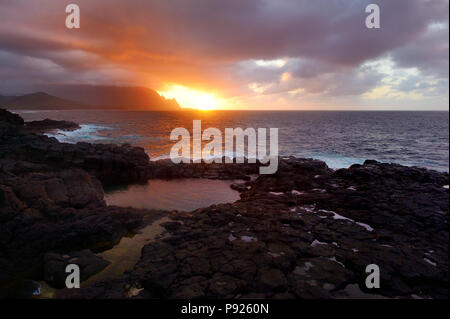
(86, 133)
(336, 161)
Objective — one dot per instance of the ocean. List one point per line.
(340, 138)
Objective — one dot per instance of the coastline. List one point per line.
(297, 234)
(339, 147)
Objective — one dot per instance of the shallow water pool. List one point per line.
(176, 194)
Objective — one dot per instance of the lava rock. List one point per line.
(55, 266)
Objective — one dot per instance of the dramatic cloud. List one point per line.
(252, 53)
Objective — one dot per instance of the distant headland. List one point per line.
(68, 97)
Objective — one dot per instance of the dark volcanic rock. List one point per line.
(50, 202)
(49, 125)
(109, 163)
(27, 234)
(29, 288)
(10, 118)
(309, 232)
(55, 266)
(166, 169)
(305, 232)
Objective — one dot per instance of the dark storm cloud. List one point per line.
(203, 42)
(428, 53)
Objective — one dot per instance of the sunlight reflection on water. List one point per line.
(176, 194)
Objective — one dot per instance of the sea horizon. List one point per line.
(186, 109)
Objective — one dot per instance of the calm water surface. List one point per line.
(175, 194)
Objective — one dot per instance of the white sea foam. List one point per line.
(336, 161)
(346, 149)
(87, 133)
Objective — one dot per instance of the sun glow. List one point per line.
(189, 98)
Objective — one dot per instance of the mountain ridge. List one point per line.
(38, 100)
(91, 97)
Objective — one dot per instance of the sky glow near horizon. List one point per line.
(216, 54)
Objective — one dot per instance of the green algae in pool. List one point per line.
(126, 254)
(175, 194)
(122, 257)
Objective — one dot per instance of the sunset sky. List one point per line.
(235, 54)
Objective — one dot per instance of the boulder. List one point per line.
(50, 125)
(55, 266)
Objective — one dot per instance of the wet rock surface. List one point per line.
(51, 125)
(305, 232)
(166, 169)
(7, 117)
(22, 151)
(55, 266)
(51, 203)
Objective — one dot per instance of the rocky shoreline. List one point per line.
(305, 232)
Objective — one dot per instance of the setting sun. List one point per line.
(189, 98)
